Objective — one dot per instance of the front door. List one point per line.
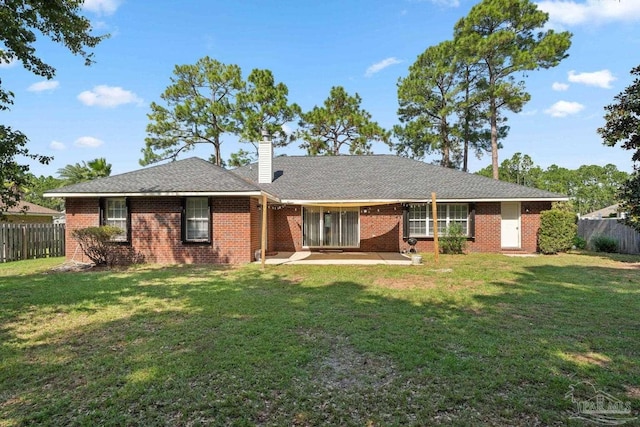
(330, 227)
(510, 225)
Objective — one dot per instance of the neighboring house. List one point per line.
(191, 211)
(612, 211)
(29, 213)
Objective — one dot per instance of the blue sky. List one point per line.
(363, 45)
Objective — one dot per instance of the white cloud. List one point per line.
(379, 66)
(88, 142)
(43, 86)
(447, 3)
(57, 145)
(564, 109)
(571, 12)
(101, 7)
(602, 78)
(108, 96)
(560, 87)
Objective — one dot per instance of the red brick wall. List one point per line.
(381, 228)
(236, 222)
(286, 230)
(156, 224)
(531, 223)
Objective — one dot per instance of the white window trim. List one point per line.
(428, 220)
(122, 237)
(206, 219)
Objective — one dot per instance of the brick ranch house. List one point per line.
(191, 211)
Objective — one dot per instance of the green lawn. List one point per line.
(477, 339)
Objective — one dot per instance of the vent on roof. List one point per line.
(265, 159)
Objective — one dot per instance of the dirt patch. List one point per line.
(72, 267)
(633, 392)
(628, 266)
(344, 368)
(589, 358)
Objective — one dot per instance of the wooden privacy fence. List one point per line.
(628, 239)
(28, 241)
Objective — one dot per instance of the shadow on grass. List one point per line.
(203, 345)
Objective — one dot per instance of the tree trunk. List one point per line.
(494, 137)
(217, 148)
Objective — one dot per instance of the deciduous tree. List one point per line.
(36, 187)
(340, 122)
(519, 169)
(504, 37)
(623, 127)
(22, 22)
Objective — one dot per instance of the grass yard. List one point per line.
(476, 340)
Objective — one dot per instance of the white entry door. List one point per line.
(510, 225)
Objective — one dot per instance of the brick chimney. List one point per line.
(265, 159)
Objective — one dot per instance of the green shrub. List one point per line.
(557, 230)
(97, 244)
(454, 241)
(604, 244)
(579, 242)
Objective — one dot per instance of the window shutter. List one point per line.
(103, 211)
(183, 220)
(405, 221)
(210, 222)
(127, 203)
(472, 221)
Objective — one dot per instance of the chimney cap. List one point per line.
(265, 133)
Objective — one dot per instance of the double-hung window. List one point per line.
(421, 218)
(115, 213)
(196, 220)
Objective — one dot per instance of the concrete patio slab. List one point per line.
(337, 258)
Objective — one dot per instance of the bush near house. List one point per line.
(98, 245)
(454, 240)
(557, 231)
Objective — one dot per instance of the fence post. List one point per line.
(24, 243)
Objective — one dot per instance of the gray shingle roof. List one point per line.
(192, 175)
(381, 177)
(323, 178)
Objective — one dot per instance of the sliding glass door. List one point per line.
(331, 227)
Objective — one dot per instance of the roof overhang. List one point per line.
(165, 194)
(374, 202)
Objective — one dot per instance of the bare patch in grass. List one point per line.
(343, 368)
(632, 392)
(589, 358)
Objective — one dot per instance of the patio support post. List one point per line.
(434, 210)
(263, 249)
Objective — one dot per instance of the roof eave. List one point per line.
(422, 200)
(160, 194)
